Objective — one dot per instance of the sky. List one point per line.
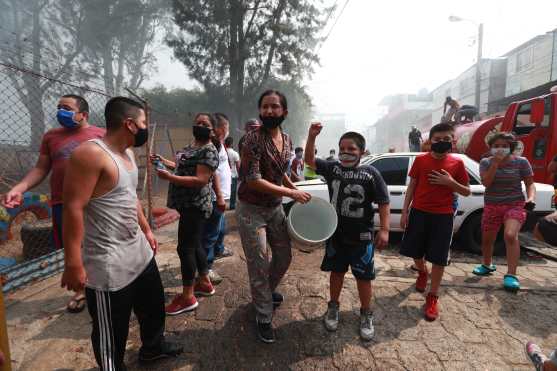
(384, 47)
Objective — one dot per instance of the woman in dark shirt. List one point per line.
(189, 192)
(264, 161)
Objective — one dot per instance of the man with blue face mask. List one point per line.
(56, 147)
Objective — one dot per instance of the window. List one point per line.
(394, 169)
(473, 180)
(522, 124)
(524, 59)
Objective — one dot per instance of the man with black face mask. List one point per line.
(56, 147)
(434, 179)
(104, 215)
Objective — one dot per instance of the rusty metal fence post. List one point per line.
(148, 165)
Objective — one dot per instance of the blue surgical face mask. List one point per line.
(67, 118)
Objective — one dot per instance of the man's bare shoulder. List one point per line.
(89, 155)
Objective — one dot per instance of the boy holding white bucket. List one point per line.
(352, 190)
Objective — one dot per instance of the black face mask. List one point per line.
(140, 138)
(441, 147)
(271, 122)
(201, 133)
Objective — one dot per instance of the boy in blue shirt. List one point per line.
(352, 190)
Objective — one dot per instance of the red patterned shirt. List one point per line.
(260, 159)
(58, 144)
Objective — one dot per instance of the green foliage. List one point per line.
(235, 48)
(119, 36)
(177, 106)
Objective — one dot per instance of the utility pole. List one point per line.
(479, 66)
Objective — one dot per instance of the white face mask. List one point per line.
(503, 151)
(348, 160)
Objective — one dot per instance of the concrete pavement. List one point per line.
(481, 327)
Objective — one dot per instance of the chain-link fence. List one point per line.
(28, 106)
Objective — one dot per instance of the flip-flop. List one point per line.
(484, 270)
(511, 283)
(76, 305)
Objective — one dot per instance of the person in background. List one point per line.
(260, 216)
(109, 246)
(428, 212)
(250, 125)
(353, 188)
(234, 162)
(546, 229)
(190, 193)
(465, 114)
(56, 147)
(392, 150)
(414, 139)
(539, 360)
(502, 175)
(453, 106)
(215, 227)
(297, 166)
(332, 156)
(309, 173)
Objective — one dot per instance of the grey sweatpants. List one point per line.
(259, 225)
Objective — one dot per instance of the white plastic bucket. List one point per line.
(311, 224)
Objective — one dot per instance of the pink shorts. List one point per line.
(495, 215)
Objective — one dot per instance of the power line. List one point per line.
(333, 7)
(333, 26)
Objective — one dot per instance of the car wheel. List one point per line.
(471, 236)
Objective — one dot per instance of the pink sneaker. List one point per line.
(204, 289)
(181, 305)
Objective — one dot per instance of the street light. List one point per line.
(454, 18)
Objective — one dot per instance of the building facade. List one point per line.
(403, 111)
(463, 87)
(532, 64)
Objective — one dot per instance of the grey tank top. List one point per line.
(115, 250)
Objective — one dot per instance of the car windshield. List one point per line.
(366, 160)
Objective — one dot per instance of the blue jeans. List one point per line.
(213, 235)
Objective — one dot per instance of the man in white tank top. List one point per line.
(116, 264)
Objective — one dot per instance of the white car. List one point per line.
(394, 168)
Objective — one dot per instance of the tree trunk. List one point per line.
(108, 68)
(121, 62)
(236, 59)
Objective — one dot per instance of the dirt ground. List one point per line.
(481, 327)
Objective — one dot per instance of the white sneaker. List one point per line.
(214, 277)
(367, 331)
(331, 317)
